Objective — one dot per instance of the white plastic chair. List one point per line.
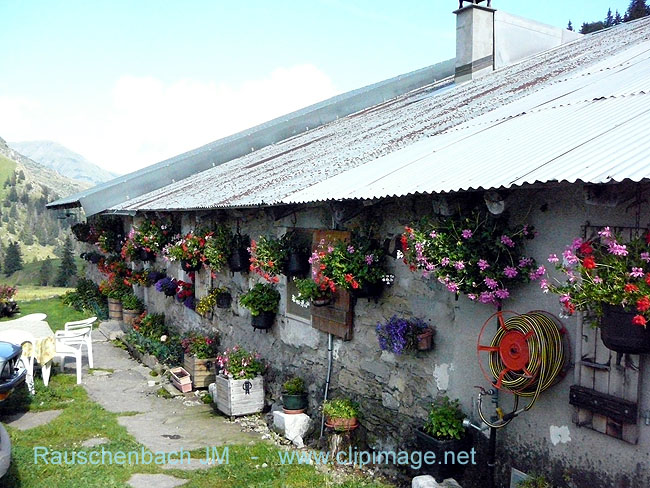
(20, 337)
(79, 325)
(70, 344)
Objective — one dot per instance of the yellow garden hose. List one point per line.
(526, 356)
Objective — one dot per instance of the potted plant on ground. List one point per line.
(443, 433)
(239, 384)
(478, 255)
(294, 396)
(610, 280)
(239, 259)
(341, 414)
(319, 291)
(200, 355)
(132, 306)
(114, 289)
(263, 301)
(399, 334)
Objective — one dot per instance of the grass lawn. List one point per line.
(57, 312)
(83, 419)
(39, 292)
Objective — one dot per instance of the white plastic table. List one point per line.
(45, 346)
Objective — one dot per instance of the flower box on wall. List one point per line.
(181, 379)
(202, 370)
(239, 397)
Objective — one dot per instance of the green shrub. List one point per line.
(534, 481)
(169, 352)
(87, 298)
(445, 420)
(131, 302)
(341, 408)
(294, 386)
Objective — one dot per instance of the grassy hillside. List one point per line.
(7, 167)
(29, 275)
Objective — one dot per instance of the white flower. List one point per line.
(301, 303)
(163, 338)
(399, 254)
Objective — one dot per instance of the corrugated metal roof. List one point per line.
(530, 122)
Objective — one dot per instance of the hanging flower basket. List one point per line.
(147, 256)
(425, 340)
(224, 300)
(189, 266)
(263, 321)
(297, 264)
(239, 260)
(620, 334)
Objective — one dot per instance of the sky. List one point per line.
(127, 84)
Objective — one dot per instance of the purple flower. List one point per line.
(444, 261)
(576, 244)
(483, 264)
(486, 297)
(459, 265)
(505, 240)
(492, 284)
(467, 234)
(543, 284)
(605, 232)
(502, 294)
(510, 271)
(552, 258)
(351, 249)
(369, 259)
(471, 296)
(598, 280)
(637, 273)
(645, 256)
(617, 249)
(452, 287)
(538, 273)
(569, 258)
(523, 262)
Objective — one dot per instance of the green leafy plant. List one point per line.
(261, 298)
(310, 289)
(131, 302)
(268, 257)
(218, 248)
(294, 386)
(87, 298)
(168, 351)
(152, 325)
(445, 420)
(534, 481)
(341, 408)
(199, 345)
(240, 364)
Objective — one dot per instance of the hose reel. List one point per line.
(527, 355)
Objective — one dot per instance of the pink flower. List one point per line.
(523, 262)
(351, 249)
(543, 284)
(459, 265)
(605, 232)
(617, 249)
(510, 271)
(552, 258)
(637, 273)
(569, 257)
(645, 256)
(492, 284)
(502, 294)
(565, 298)
(576, 244)
(505, 240)
(369, 259)
(538, 273)
(471, 296)
(486, 297)
(483, 264)
(444, 261)
(598, 280)
(452, 287)
(467, 234)
(433, 234)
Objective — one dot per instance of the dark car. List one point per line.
(12, 375)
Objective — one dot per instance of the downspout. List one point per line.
(330, 354)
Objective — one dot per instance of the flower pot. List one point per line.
(181, 379)
(224, 300)
(239, 397)
(297, 264)
(144, 255)
(619, 334)
(264, 320)
(342, 425)
(425, 340)
(94, 258)
(189, 266)
(129, 315)
(294, 404)
(445, 465)
(321, 302)
(239, 260)
(114, 309)
(201, 370)
(368, 290)
(169, 292)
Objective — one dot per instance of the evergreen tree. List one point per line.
(7, 183)
(13, 194)
(12, 181)
(636, 10)
(609, 20)
(21, 175)
(26, 236)
(67, 268)
(6, 203)
(13, 212)
(11, 228)
(29, 187)
(45, 273)
(24, 198)
(569, 26)
(617, 18)
(13, 259)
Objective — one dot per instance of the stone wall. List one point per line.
(395, 391)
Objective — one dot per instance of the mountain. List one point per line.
(63, 160)
(25, 188)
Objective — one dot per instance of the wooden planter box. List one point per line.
(234, 398)
(129, 315)
(335, 318)
(201, 370)
(181, 379)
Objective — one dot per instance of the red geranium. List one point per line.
(643, 304)
(639, 320)
(589, 262)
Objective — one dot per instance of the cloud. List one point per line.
(151, 120)
(145, 120)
